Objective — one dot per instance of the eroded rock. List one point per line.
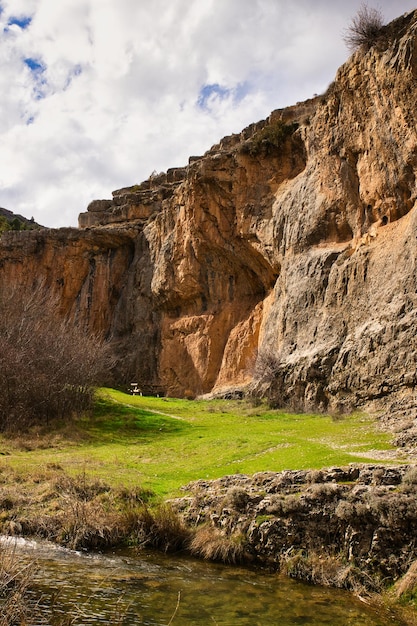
(296, 238)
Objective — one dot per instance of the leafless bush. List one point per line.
(268, 378)
(48, 366)
(315, 477)
(365, 29)
(267, 366)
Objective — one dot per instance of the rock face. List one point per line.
(346, 526)
(294, 240)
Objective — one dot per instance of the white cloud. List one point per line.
(96, 94)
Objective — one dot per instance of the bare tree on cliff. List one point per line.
(47, 366)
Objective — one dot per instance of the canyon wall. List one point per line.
(285, 257)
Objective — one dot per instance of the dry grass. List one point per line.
(14, 582)
(161, 528)
(82, 512)
(211, 544)
(326, 570)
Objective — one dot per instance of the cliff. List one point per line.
(293, 242)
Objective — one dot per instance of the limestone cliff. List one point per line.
(294, 240)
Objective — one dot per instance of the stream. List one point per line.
(149, 588)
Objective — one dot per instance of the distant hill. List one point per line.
(13, 221)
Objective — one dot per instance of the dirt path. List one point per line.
(175, 417)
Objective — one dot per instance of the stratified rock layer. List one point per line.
(294, 241)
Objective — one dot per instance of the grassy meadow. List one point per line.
(161, 444)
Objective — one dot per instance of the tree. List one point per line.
(48, 366)
(4, 224)
(16, 224)
(365, 29)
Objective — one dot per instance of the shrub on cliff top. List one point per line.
(271, 138)
(365, 29)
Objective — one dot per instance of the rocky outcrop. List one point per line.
(292, 243)
(352, 527)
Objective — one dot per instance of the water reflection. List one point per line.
(157, 590)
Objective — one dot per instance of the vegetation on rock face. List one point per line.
(351, 527)
(365, 29)
(271, 138)
(47, 366)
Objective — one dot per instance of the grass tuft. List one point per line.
(211, 544)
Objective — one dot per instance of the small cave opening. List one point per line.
(384, 220)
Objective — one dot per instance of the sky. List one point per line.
(99, 94)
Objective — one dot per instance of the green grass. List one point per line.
(161, 444)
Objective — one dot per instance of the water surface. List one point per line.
(153, 589)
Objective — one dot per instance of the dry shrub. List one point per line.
(277, 504)
(210, 544)
(236, 498)
(88, 525)
(365, 29)
(323, 492)
(287, 506)
(294, 505)
(410, 477)
(48, 366)
(345, 510)
(90, 518)
(269, 378)
(267, 366)
(315, 476)
(356, 513)
(394, 509)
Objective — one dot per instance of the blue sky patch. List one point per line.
(34, 65)
(208, 91)
(23, 22)
(37, 69)
(217, 91)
